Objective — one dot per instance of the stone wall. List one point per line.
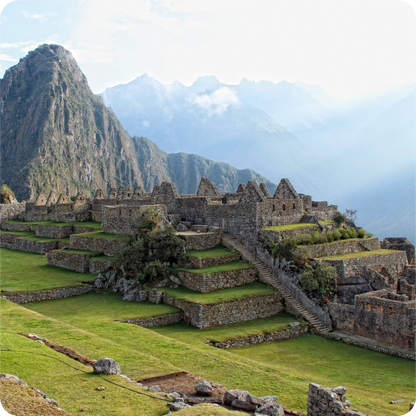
(259, 339)
(201, 241)
(393, 263)
(329, 402)
(214, 281)
(33, 246)
(18, 226)
(376, 316)
(66, 259)
(107, 246)
(168, 319)
(342, 247)
(201, 263)
(245, 309)
(343, 316)
(11, 211)
(400, 243)
(54, 231)
(100, 265)
(59, 293)
(281, 235)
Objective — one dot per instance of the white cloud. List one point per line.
(30, 46)
(216, 102)
(4, 57)
(40, 17)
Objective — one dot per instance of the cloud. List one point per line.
(218, 101)
(30, 46)
(40, 17)
(4, 57)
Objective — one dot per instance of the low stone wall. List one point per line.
(33, 246)
(342, 316)
(73, 261)
(281, 235)
(54, 231)
(245, 309)
(97, 266)
(18, 226)
(342, 247)
(202, 263)
(60, 293)
(96, 216)
(200, 241)
(259, 339)
(171, 318)
(107, 246)
(11, 211)
(9, 238)
(214, 281)
(393, 263)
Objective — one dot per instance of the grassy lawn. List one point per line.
(100, 234)
(31, 235)
(222, 295)
(372, 379)
(360, 254)
(220, 268)
(290, 227)
(21, 233)
(103, 258)
(326, 222)
(30, 222)
(29, 272)
(74, 251)
(90, 224)
(217, 251)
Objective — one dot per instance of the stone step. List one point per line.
(272, 280)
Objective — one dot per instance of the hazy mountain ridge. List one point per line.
(57, 134)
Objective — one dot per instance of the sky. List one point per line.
(351, 48)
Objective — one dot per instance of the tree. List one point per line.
(7, 195)
(152, 250)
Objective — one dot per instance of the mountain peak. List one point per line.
(205, 83)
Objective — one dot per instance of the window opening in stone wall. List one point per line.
(390, 310)
(284, 207)
(294, 205)
(368, 307)
(379, 309)
(274, 208)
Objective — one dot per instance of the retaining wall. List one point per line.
(201, 241)
(11, 211)
(214, 281)
(60, 293)
(245, 309)
(202, 263)
(78, 262)
(171, 318)
(96, 266)
(105, 245)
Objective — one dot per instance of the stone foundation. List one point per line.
(17, 226)
(281, 235)
(60, 293)
(202, 263)
(201, 241)
(214, 281)
(245, 309)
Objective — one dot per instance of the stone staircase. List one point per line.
(267, 276)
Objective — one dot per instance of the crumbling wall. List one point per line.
(11, 211)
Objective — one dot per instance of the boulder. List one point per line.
(204, 387)
(156, 387)
(270, 409)
(51, 401)
(12, 378)
(177, 406)
(231, 395)
(106, 365)
(41, 393)
(270, 398)
(339, 390)
(181, 227)
(242, 404)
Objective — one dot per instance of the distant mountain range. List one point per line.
(56, 134)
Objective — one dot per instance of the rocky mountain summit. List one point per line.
(55, 133)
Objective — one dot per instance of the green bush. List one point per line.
(308, 281)
(339, 219)
(344, 234)
(337, 235)
(315, 237)
(320, 281)
(330, 237)
(323, 238)
(362, 233)
(352, 233)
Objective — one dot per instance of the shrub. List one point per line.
(320, 281)
(308, 281)
(315, 237)
(351, 232)
(330, 237)
(7, 195)
(339, 219)
(362, 233)
(323, 238)
(337, 235)
(344, 233)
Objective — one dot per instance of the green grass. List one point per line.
(290, 227)
(220, 268)
(29, 272)
(21, 233)
(360, 254)
(90, 224)
(222, 295)
(218, 251)
(326, 222)
(103, 258)
(31, 235)
(366, 375)
(30, 222)
(100, 234)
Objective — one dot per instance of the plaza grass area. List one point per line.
(87, 324)
(29, 272)
(31, 235)
(217, 251)
(359, 254)
(222, 295)
(290, 227)
(220, 268)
